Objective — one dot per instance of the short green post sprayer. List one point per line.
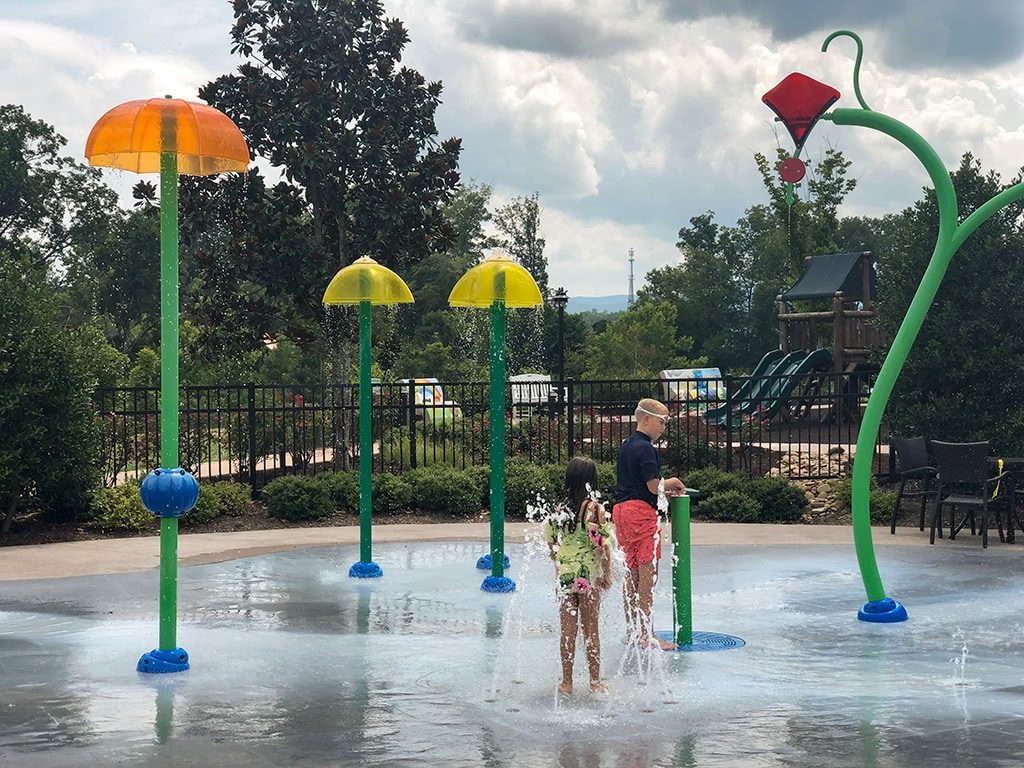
(682, 634)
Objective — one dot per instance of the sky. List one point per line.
(627, 116)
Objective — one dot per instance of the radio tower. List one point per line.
(629, 301)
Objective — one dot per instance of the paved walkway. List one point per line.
(87, 558)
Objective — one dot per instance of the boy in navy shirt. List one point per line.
(637, 530)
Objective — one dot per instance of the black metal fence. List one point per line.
(802, 426)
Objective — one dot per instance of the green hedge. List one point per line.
(440, 489)
(730, 506)
(216, 500)
(120, 509)
(445, 489)
(343, 488)
(297, 498)
(734, 497)
(882, 499)
(391, 494)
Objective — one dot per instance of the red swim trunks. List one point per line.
(636, 530)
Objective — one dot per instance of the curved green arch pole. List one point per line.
(950, 237)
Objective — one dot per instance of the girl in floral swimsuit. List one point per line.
(580, 544)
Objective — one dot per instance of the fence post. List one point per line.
(728, 423)
(570, 410)
(251, 390)
(412, 425)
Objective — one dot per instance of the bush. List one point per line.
(780, 500)
(391, 494)
(606, 482)
(443, 489)
(343, 488)
(882, 499)
(218, 499)
(297, 498)
(48, 450)
(730, 506)
(523, 481)
(120, 509)
(481, 477)
(712, 481)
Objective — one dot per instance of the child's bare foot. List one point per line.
(565, 688)
(666, 645)
(596, 686)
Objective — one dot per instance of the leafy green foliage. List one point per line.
(120, 509)
(730, 506)
(882, 500)
(780, 500)
(217, 500)
(49, 446)
(343, 488)
(391, 494)
(737, 498)
(297, 498)
(961, 381)
(444, 489)
(523, 482)
(640, 343)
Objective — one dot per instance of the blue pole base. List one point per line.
(884, 611)
(498, 584)
(704, 642)
(486, 562)
(363, 570)
(160, 662)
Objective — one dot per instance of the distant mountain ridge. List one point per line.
(614, 303)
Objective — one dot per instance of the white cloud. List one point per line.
(626, 131)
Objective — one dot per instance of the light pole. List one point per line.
(560, 299)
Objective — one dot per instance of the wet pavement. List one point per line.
(294, 664)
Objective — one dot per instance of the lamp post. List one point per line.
(171, 137)
(561, 299)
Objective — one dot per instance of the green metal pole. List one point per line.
(682, 587)
(498, 313)
(168, 381)
(365, 435)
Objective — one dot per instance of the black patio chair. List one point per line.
(963, 481)
(915, 468)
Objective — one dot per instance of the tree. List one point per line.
(518, 225)
(961, 380)
(322, 95)
(639, 343)
(116, 275)
(49, 450)
(726, 287)
(49, 203)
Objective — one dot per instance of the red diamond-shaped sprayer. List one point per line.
(799, 101)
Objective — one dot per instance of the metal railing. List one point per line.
(804, 426)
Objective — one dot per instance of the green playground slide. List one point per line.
(771, 390)
(763, 368)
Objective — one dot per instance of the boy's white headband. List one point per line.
(651, 413)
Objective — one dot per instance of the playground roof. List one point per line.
(827, 273)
